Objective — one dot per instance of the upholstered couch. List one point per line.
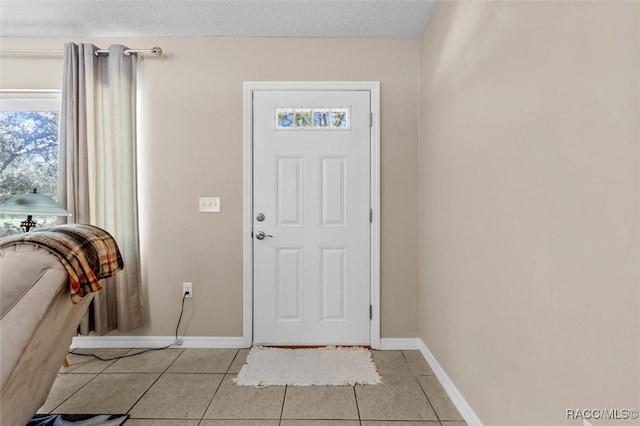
(47, 280)
(37, 323)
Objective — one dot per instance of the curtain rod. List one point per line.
(155, 51)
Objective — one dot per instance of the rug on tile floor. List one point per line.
(78, 420)
(328, 366)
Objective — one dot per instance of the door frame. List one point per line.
(247, 175)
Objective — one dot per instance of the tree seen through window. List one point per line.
(28, 159)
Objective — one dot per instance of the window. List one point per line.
(28, 149)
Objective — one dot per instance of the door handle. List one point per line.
(261, 235)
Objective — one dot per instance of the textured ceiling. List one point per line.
(214, 18)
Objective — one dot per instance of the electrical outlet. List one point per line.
(187, 288)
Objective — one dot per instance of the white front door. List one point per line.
(311, 217)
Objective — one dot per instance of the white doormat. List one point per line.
(328, 366)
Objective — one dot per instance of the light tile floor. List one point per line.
(194, 387)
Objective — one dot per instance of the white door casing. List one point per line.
(316, 279)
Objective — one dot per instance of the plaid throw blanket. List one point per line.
(88, 253)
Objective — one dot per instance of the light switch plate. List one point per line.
(209, 204)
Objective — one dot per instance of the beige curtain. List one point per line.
(98, 182)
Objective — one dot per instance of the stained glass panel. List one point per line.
(285, 118)
(339, 118)
(321, 118)
(303, 118)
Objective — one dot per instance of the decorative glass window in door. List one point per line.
(313, 119)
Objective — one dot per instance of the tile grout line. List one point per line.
(95, 375)
(232, 361)
(284, 399)
(355, 396)
(415, 376)
(70, 396)
(224, 376)
(154, 382)
(429, 400)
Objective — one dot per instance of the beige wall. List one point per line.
(529, 206)
(191, 146)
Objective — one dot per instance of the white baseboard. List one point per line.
(154, 342)
(100, 342)
(399, 344)
(454, 394)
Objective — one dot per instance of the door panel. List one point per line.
(288, 195)
(289, 284)
(312, 268)
(334, 284)
(334, 191)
